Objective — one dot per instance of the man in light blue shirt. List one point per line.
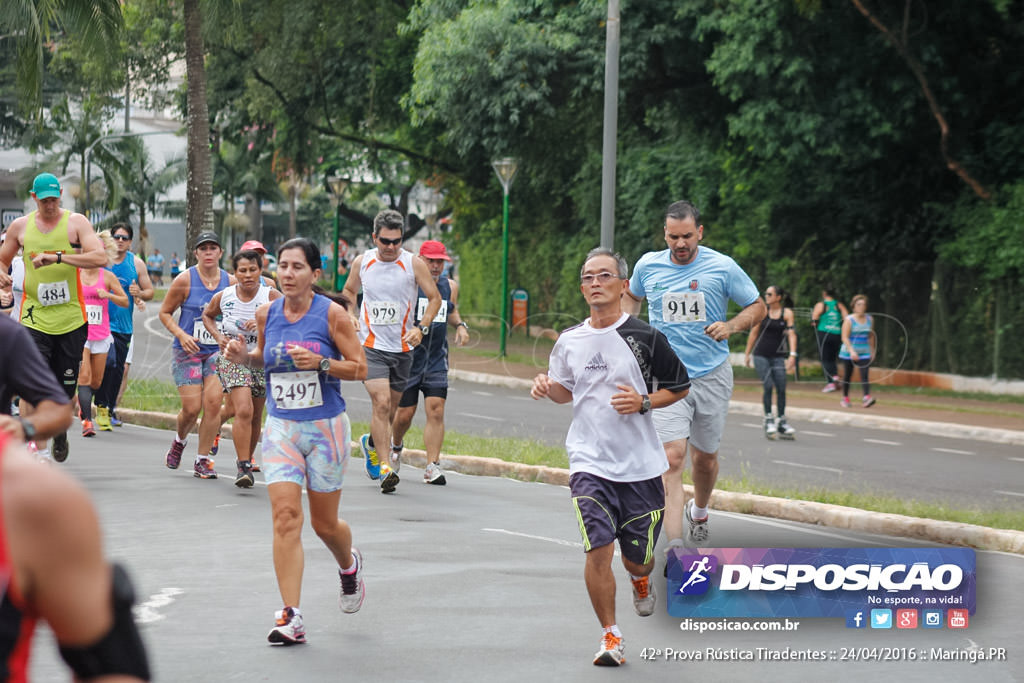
(688, 288)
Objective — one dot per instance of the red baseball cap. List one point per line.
(254, 245)
(433, 249)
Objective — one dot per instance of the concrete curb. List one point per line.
(807, 512)
(943, 429)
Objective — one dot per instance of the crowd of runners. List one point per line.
(245, 344)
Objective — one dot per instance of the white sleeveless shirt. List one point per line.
(235, 313)
(389, 301)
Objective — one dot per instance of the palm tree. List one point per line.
(198, 188)
(34, 23)
(240, 171)
(76, 130)
(139, 182)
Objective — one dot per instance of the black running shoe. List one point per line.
(389, 481)
(60, 447)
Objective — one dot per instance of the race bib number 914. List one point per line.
(421, 308)
(683, 307)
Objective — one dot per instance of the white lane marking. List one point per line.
(789, 526)
(227, 505)
(1009, 493)
(521, 398)
(810, 467)
(882, 442)
(157, 330)
(146, 613)
(557, 541)
(483, 417)
(954, 451)
(483, 393)
(752, 425)
(360, 399)
(1018, 459)
(824, 434)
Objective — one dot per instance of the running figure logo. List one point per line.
(696, 580)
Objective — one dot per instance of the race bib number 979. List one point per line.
(383, 312)
(296, 390)
(683, 307)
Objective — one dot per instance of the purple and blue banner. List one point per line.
(818, 582)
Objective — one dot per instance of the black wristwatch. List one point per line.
(463, 324)
(645, 404)
(325, 364)
(28, 428)
(424, 330)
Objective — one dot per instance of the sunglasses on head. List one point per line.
(390, 243)
(122, 238)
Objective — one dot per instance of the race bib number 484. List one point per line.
(53, 293)
(683, 307)
(296, 390)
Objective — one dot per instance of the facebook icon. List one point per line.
(856, 619)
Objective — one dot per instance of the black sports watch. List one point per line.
(424, 330)
(28, 428)
(645, 404)
(325, 364)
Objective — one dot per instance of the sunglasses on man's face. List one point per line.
(122, 238)
(390, 243)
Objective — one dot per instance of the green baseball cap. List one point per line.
(45, 186)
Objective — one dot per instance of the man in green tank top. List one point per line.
(56, 243)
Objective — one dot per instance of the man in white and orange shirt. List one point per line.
(388, 276)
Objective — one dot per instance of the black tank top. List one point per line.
(771, 341)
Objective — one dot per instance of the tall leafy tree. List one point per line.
(35, 25)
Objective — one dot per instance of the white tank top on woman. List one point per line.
(235, 313)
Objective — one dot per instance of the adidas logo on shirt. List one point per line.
(596, 363)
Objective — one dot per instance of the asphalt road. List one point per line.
(953, 472)
(481, 579)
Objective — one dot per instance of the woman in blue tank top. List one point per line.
(858, 349)
(305, 343)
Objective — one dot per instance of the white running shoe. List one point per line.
(644, 597)
(353, 590)
(697, 533)
(434, 475)
(785, 430)
(288, 630)
(611, 652)
(395, 458)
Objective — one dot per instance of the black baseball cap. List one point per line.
(205, 237)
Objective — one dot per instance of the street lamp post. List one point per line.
(506, 170)
(338, 186)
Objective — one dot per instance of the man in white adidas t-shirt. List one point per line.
(608, 366)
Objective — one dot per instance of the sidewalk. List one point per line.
(1001, 422)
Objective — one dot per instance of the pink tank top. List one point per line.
(97, 311)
